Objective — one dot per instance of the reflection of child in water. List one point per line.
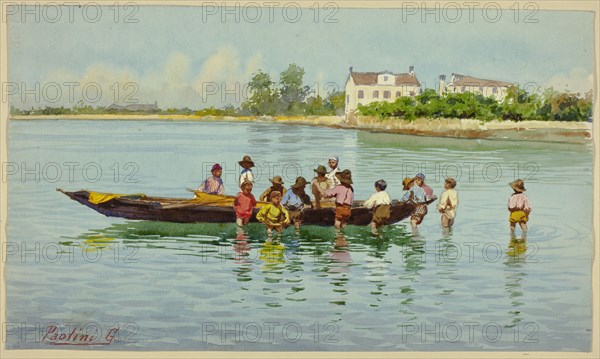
(519, 207)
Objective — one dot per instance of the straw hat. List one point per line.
(246, 159)
(345, 176)
(407, 183)
(518, 185)
(276, 180)
(300, 183)
(321, 170)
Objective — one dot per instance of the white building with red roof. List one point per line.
(363, 88)
(465, 83)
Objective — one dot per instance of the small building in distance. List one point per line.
(465, 83)
(363, 88)
(134, 107)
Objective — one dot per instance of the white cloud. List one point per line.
(577, 80)
(223, 77)
(172, 85)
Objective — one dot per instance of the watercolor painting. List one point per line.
(299, 177)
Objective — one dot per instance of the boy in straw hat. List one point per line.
(380, 202)
(319, 185)
(416, 195)
(519, 207)
(246, 175)
(274, 215)
(214, 183)
(344, 197)
(277, 185)
(294, 201)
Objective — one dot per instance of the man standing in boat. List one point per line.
(331, 176)
(246, 175)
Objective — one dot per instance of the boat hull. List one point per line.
(181, 210)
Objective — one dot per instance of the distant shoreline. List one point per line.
(537, 131)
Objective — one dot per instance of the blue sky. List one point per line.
(177, 55)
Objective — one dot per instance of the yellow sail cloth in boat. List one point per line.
(99, 197)
(208, 199)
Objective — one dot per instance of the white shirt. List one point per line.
(246, 176)
(448, 202)
(333, 178)
(377, 199)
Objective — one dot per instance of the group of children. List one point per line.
(285, 206)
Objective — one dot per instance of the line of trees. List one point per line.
(289, 97)
(518, 105)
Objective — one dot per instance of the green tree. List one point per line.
(292, 92)
(337, 99)
(264, 96)
(519, 105)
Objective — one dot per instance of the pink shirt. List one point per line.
(244, 204)
(428, 190)
(342, 194)
(519, 201)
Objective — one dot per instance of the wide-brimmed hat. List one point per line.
(276, 180)
(216, 167)
(407, 183)
(345, 176)
(518, 185)
(321, 170)
(300, 183)
(246, 159)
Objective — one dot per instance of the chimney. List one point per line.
(350, 69)
(411, 70)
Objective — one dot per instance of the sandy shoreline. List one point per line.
(542, 131)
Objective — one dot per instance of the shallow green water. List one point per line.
(204, 287)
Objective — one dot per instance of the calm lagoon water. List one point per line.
(202, 287)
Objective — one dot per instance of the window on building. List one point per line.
(385, 78)
(347, 98)
(480, 88)
(462, 89)
(398, 94)
(361, 94)
(386, 94)
(376, 94)
(494, 89)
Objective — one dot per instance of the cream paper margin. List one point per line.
(589, 5)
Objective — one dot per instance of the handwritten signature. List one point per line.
(54, 336)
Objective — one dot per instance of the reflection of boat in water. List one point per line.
(210, 208)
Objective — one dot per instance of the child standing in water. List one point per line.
(380, 203)
(244, 204)
(448, 203)
(274, 215)
(519, 207)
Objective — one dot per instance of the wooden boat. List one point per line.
(211, 208)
